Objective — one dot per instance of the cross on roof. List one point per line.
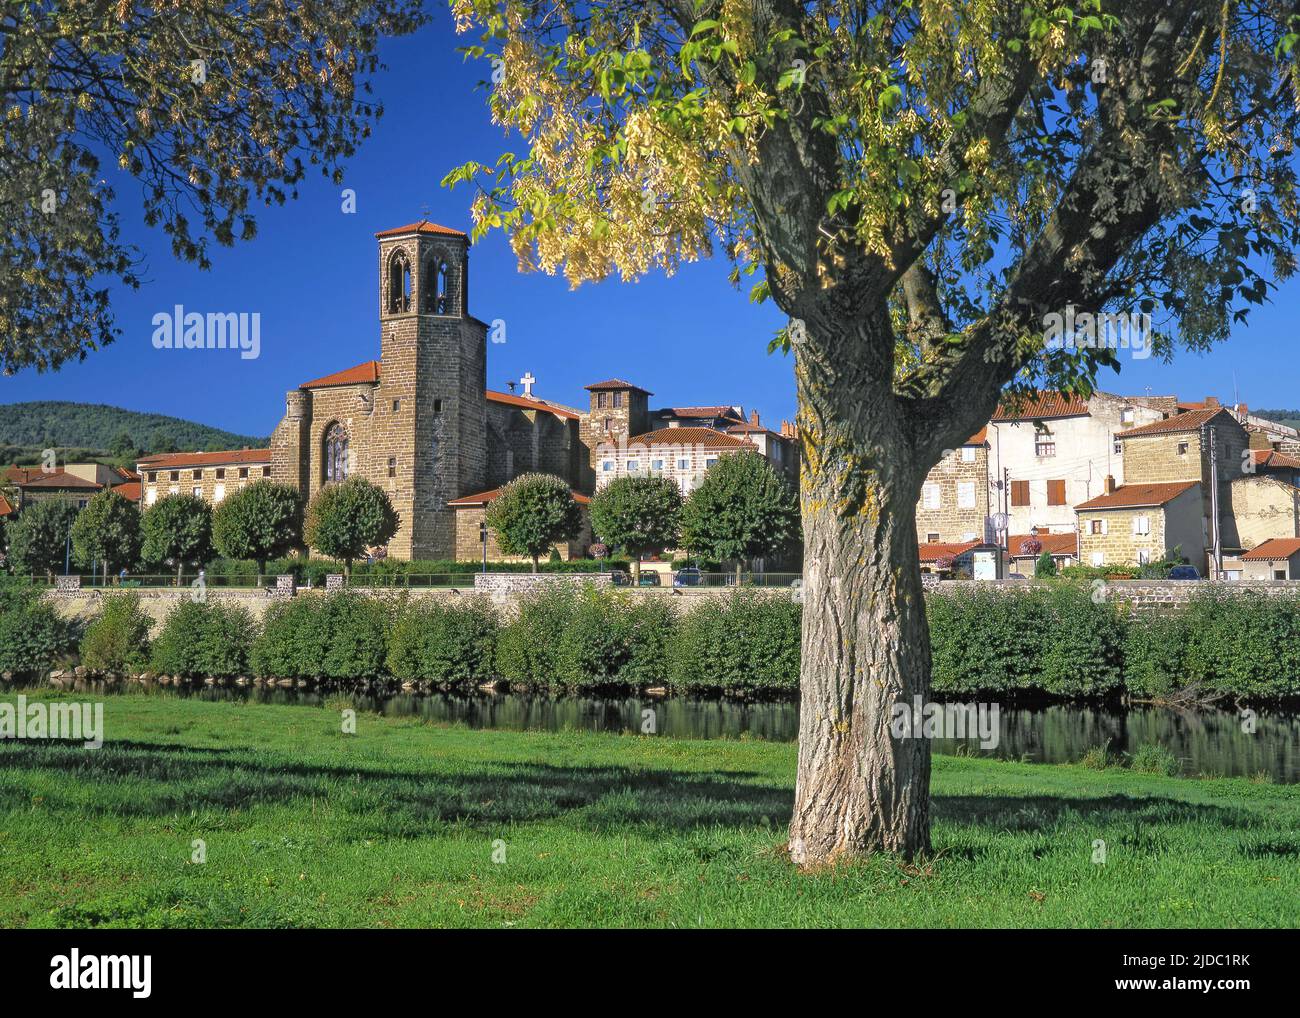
(528, 381)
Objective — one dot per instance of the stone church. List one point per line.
(421, 423)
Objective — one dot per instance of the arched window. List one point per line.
(434, 284)
(336, 453)
(399, 283)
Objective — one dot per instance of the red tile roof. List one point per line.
(1273, 550)
(5, 508)
(1271, 459)
(533, 403)
(1040, 405)
(59, 479)
(19, 474)
(980, 437)
(705, 437)
(944, 549)
(131, 490)
(1189, 420)
(484, 497)
(233, 457)
(703, 411)
(1134, 496)
(616, 383)
(423, 226)
(366, 373)
(1057, 544)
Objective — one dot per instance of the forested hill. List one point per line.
(57, 424)
(1290, 418)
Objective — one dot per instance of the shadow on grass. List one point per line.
(157, 780)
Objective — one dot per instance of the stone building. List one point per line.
(955, 499)
(1142, 522)
(208, 475)
(77, 483)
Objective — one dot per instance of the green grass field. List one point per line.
(397, 826)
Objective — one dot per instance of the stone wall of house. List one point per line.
(949, 522)
(1262, 508)
(212, 483)
(523, 441)
(1120, 545)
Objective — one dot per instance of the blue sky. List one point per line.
(312, 274)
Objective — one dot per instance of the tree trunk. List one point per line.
(865, 639)
(535, 558)
(636, 569)
(180, 573)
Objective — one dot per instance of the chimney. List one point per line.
(1110, 484)
(1211, 401)
(753, 418)
(788, 430)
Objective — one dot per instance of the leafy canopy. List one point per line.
(211, 107)
(345, 519)
(107, 532)
(639, 514)
(177, 528)
(258, 522)
(38, 539)
(924, 181)
(533, 512)
(742, 509)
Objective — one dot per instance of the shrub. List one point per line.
(1156, 759)
(527, 647)
(1082, 643)
(32, 636)
(204, 638)
(745, 644)
(444, 642)
(1100, 757)
(333, 636)
(984, 640)
(1155, 649)
(118, 640)
(1243, 643)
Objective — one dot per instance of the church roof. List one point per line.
(423, 226)
(484, 497)
(533, 403)
(615, 383)
(359, 375)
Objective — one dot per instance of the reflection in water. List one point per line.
(1206, 742)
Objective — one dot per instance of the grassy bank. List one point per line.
(397, 825)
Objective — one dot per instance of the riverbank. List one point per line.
(300, 824)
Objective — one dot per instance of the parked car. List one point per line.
(1184, 573)
(620, 578)
(651, 579)
(687, 577)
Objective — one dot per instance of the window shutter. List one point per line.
(1103, 525)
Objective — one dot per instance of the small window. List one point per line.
(82, 503)
(197, 492)
(437, 406)
(266, 471)
(710, 461)
(176, 475)
(600, 402)
(1144, 556)
(1119, 448)
(174, 489)
(1098, 558)
(683, 464)
(198, 475)
(930, 496)
(932, 538)
(607, 465)
(1019, 493)
(243, 472)
(392, 466)
(656, 464)
(1126, 415)
(618, 400)
(1279, 574)
(968, 454)
(153, 476)
(1094, 526)
(218, 492)
(965, 494)
(1141, 524)
(1056, 493)
(221, 473)
(633, 465)
(609, 421)
(1044, 445)
(397, 405)
(1182, 448)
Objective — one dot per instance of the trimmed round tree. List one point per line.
(107, 532)
(177, 528)
(533, 512)
(639, 514)
(38, 538)
(743, 509)
(258, 522)
(345, 519)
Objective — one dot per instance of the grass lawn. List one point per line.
(397, 825)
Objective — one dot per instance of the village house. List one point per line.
(1139, 523)
(1278, 558)
(77, 483)
(207, 475)
(955, 499)
(1024, 550)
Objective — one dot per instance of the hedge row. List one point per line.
(1053, 640)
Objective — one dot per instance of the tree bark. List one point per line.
(865, 639)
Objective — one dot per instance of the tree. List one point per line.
(743, 509)
(533, 512)
(1045, 566)
(123, 448)
(345, 519)
(639, 514)
(178, 528)
(927, 193)
(258, 522)
(212, 107)
(39, 539)
(107, 532)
